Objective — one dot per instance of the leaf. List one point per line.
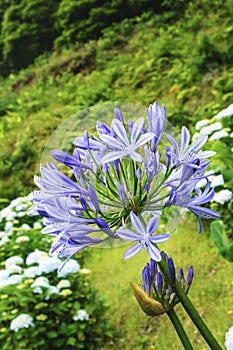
(219, 237)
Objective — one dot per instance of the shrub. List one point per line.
(42, 308)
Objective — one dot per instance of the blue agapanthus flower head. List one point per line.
(122, 178)
(158, 287)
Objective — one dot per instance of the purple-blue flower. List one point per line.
(120, 176)
(143, 236)
(186, 154)
(121, 146)
(183, 197)
(157, 286)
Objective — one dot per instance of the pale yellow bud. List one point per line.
(150, 306)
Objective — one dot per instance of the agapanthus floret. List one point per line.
(186, 154)
(119, 175)
(183, 197)
(144, 236)
(121, 146)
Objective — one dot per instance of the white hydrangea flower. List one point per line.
(3, 234)
(63, 284)
(22, 321)
(37, 290)
(53, 290)
(201, 123)
(14, 260)
(216, 180)
(5, 212)
(48, 264)
(21, 239)
(4, 275)
(71, 266)
(8, 226)
(18, 201)
(13, 279)
(40, 282)
(10, 216)
(207, 130)
(222, 196)
(81, 315)
(37, 224)
(21, 214)
(2, 284)
(227, 112)
(218, 135)
(3, 240)
(21, 207)
(25, 227)
(35, 257)
(14, 269)
(229, 339)
(32, 272)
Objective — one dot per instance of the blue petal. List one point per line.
(93, 197)
(68, 160)
(204, 212)
(206, 154)
(152, 225)
(154, 252)
(118, 115)
(163, 237)
(120, 131)
(137, 223)
(174, 143)
(126, 234)
(199, 143)
(185, 138)
(136, 130)
(112, 141)
(132, 251)
(144, 139)
(111, 156)
(136, 156)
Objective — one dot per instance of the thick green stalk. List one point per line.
(179, 329)
(197, 320)
(190, 309)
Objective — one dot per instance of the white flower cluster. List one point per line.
(21, 321)
(16, 209)
(10, 215)
(222, 196)
(12, 273)
(229, 339)
(41, 263)
(214, 128)
(227, 112)
(81, 315)
(31, 270)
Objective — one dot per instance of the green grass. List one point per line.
(211, 291)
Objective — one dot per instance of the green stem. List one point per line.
(179, 329)
(196, 318)
(190, 309)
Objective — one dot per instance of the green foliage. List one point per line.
(27, 30)
(221, 240)
(55, 302)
